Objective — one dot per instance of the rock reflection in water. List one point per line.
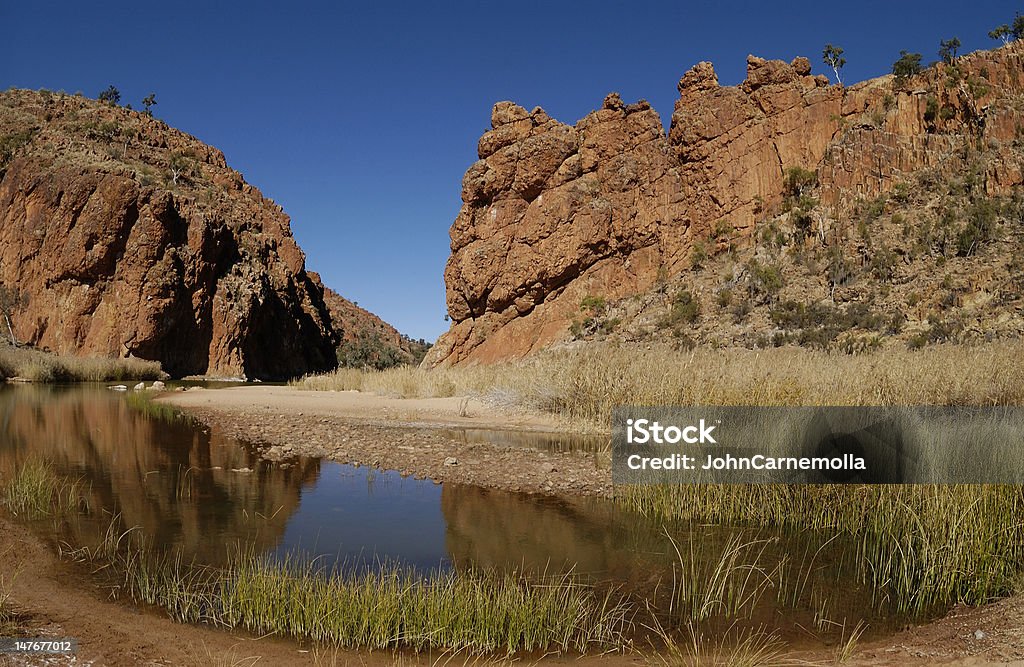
(176, 481)
(488, 528)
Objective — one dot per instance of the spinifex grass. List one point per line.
(36, 490)
(919, 547)
(478, 612)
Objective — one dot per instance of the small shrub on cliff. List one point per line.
(10, 144)
(685, 310)
(839, 271)
(698, 255)
(798, 180)
(723, 229)
(803, 224)
(883, 264)
(765, 279)
(594, 305)
(740, 309)
(939, 331)
(979, 228)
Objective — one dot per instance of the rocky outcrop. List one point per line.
(613, 204)
(132, 239)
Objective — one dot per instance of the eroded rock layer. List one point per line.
(613, 204)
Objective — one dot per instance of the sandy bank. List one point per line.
(419, 437)
(363, 407)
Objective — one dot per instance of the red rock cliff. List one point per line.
(135, 239)
(553, 212)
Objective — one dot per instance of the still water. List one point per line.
(188, 488)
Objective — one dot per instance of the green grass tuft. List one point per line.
(920, 548)
(475, 612)
(36, 490)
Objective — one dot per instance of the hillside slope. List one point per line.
(766, 209)
(367, 341)
(133, 239)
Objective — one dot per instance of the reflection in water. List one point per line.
(191, 489)
(174, 480)
(596, 539)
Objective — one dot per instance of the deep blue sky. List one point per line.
(360, 118)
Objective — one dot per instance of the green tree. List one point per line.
(180, 166)
(833, 57)
(111, 96)
(948, 49)
(1017, 28)
(149, 101)
(1002, 33)
(12, 300)
(907, 66)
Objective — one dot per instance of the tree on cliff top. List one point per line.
(907, 66)
(1002, 33)
(833, 57)
(12, 300)
(1017, 29)
(111, 96)
(948, 49)
(149, 101)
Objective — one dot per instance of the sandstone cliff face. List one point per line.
(613, 204)
(134, 239)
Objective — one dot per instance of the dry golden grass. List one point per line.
(582, 385)
(44, 367)
(911, 554)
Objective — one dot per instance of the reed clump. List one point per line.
(583, 385)
(39, 366)
(385, 608)
(920, 548)
(35, 491)
(144, 403)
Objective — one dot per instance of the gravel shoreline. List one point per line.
(421, 451)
